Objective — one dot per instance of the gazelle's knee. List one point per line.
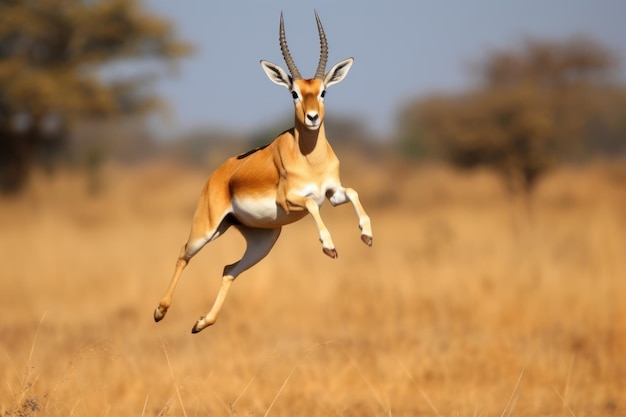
(190, 249)
(228, 269)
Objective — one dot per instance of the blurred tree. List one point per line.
(54, 55)
(532, 107)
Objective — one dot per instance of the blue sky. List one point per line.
(402, 49)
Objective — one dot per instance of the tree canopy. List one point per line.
(53, 54)
(531, 107)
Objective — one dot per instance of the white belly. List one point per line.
(262, 212)
(265, 212)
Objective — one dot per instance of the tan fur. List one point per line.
(262, 191)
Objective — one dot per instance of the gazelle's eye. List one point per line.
(294, 95)
(323, 93)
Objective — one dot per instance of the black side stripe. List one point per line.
(243, 155)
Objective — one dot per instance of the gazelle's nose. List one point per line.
(312, 116)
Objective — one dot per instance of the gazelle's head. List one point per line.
(308, 95)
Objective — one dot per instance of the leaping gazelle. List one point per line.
(260, 191)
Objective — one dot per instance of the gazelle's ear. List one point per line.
(276, 74)
(338, 72)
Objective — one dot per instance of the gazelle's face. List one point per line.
(308, 95)
(308, 100)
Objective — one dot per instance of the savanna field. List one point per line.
(468, 303)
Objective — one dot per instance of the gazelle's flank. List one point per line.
(262, 190)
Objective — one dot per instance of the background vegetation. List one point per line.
(65, 98)
(544, 104)
(53, 60)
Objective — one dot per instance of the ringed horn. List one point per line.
(291, 65)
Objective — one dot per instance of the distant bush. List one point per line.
(543, 103)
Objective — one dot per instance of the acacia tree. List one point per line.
(532, 107)
(52, 56)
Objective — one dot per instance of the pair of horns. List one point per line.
(321, 66)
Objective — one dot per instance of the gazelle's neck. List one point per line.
(310, 141)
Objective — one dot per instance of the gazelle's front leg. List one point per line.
(343, 195)
(311, 206)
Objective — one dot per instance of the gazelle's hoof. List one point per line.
(199, 326)
(367, 240)
(330, 252)
(159, 313)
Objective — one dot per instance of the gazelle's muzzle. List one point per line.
(312, 120)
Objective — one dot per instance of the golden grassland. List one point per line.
(466, 305)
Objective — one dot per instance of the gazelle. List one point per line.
(260, 191)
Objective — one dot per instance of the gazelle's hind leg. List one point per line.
(197, 239)
(258, 244)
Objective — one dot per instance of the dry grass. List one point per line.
(462, 307)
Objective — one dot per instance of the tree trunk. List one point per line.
(16, 157)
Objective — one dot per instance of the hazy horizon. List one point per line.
(402, 50)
